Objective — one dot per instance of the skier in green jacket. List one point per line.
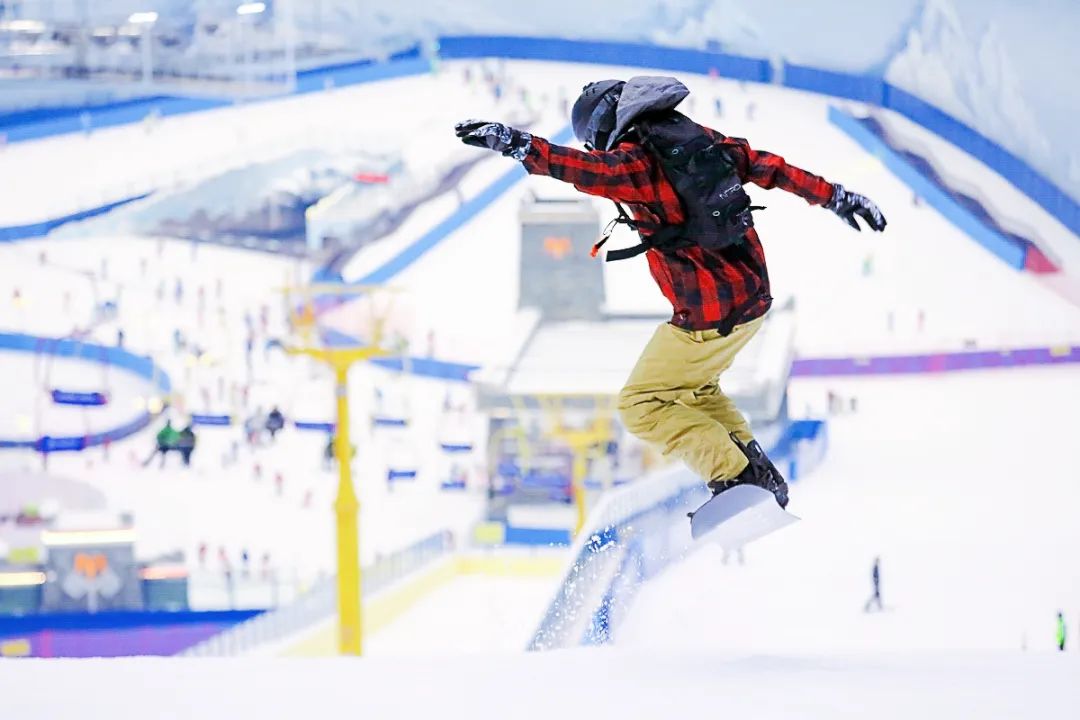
(1061, 632)
(166, 440)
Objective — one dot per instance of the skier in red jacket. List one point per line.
(698, 238)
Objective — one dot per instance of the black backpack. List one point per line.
(716, 208)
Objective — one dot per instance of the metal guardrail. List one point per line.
(320, 602)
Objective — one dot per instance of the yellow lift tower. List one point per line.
(347, 506)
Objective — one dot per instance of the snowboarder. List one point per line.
(1061, 632)
(702, 251)
(875, 577)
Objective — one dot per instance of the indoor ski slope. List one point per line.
(921, 266)
(909, 477)
(965, 485)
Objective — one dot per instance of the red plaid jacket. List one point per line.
(706, 288)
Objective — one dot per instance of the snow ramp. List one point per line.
(637, 531)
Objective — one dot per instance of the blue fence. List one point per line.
(43, 228)
(117, 620)
(876, 91)
(1005, 248)
(118, 357)
(606, 53)
(825, 82)
(49, 122)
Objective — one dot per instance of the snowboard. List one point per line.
(739, 516)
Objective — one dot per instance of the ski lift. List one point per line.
(402, 463)
(392, 410)
(395, 475)
(76, 397)
(313, 425)
(389, 421)
(79, 398)
(457, 478)
(455, 432)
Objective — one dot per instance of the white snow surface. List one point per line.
(961, 484)
(471, 615)
(577, 683)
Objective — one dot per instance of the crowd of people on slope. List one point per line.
(183, 441)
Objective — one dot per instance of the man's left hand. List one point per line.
(847, 205)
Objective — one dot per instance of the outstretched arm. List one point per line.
(621, 174)
(772, 171)
(769, 171)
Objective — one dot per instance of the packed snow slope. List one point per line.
(963, 485)
(580, 683)
(993, 64)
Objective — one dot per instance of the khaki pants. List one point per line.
(673, 398)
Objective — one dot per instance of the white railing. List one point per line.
(320, 602)
(650, 507)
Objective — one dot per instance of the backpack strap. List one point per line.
(661, 235)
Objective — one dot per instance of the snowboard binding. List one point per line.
(760, 472)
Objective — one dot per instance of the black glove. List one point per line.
(848, 204)
(495, 136)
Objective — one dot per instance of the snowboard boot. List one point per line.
(757, 455)
(759, 471)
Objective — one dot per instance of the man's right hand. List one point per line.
(494, 136)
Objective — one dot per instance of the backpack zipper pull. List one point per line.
(604, 237)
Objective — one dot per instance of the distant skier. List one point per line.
(875, 577)
(1061, 632)
(683, 184)
(275, 421)
(164, 441)
(185, 444)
